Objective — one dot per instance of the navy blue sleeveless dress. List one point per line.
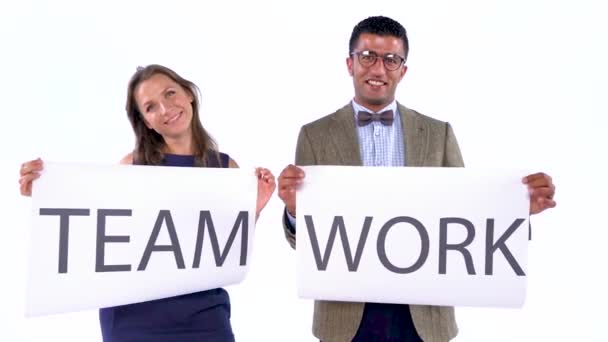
(200, 316)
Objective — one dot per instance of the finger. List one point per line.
(23, 189)
(267, 175)
(30, 166)
(545, 203)
(535, 177)
(292, 188)
(267, 179)
(287, 194)
(28, 178)
(288, 183)
(540, 184)
(264, 175)
(25, 184)
(34, 165)
(292, 171)
(259, 172)
(290, 175)
(545, 192)
(549, 203)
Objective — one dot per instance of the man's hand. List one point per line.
(289, 180)
(541, 190)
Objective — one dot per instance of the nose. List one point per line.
(378, 67)
(164, 106)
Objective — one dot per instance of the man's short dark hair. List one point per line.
(381, 26)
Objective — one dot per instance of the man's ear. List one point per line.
(349, 65)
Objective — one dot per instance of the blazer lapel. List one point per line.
(344, 136)
(415, 136)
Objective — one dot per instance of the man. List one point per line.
(375, 130)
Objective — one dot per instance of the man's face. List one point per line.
(375, 85)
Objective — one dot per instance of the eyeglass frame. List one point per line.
(376, 56)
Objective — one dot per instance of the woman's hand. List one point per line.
(29, 171)
(266, 186)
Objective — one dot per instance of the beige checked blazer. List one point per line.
(332, 140)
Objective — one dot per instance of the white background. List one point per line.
(522, 82)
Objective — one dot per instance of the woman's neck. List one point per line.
(181, 145)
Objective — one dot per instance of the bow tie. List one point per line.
(364, 118)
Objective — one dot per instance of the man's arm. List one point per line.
(288, 182)
(452, 156)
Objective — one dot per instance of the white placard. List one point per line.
(107, 235)
(438, 236)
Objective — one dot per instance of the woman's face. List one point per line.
(165, 105)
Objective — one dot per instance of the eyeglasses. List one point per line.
(391, 61)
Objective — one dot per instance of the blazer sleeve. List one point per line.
(304, 156)
(452, 156)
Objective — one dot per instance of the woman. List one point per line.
(163, 110)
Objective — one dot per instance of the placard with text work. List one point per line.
(437, 236)
(107, 235)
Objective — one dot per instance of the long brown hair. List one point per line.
(148, 143)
